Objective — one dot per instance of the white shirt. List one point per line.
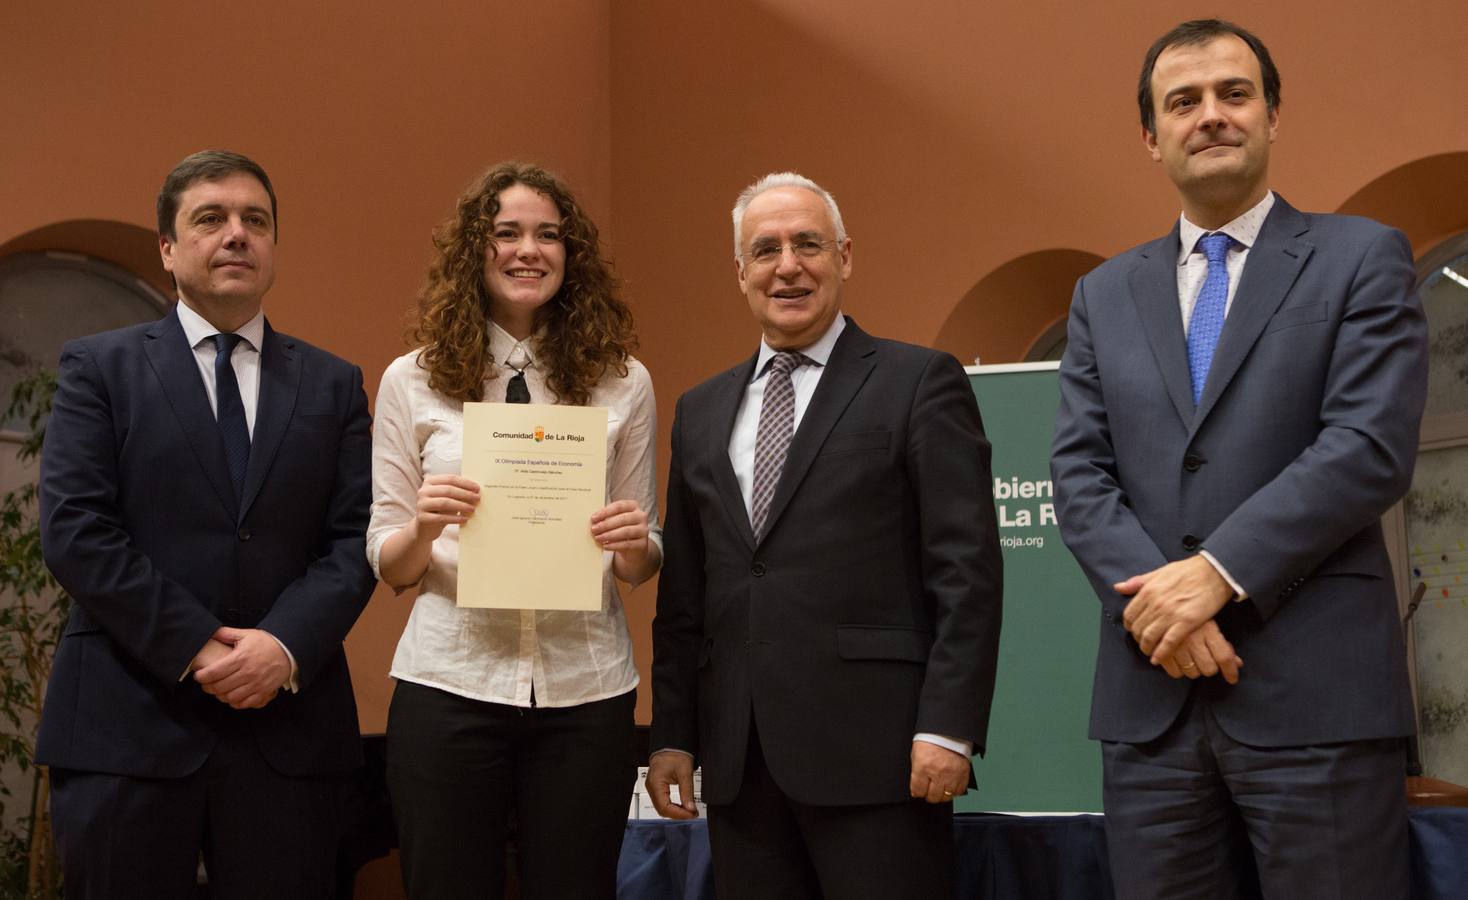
(746, 427)
(1192, 271)
(501, 655)
(245, 360)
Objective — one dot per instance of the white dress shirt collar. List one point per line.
(507, 351)
(1244, 229)
(819, 352)
(196, 328)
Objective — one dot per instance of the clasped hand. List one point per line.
(1171, 616)
(242, 667)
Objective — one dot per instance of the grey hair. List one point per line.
(777, 180)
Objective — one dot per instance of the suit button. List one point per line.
(243, 534)
(757, 570)
(1191, 542)
(1192, 462)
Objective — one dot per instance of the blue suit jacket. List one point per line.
(140, 524)
(870, 609)
(1306, 433)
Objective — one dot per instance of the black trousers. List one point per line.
(461, 771)
(1188, 812)
(768, 847)
(262, 834)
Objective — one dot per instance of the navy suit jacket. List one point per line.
(139, 523)
(870, 609)
(1306, 434)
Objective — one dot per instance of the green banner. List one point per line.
(1039, 759)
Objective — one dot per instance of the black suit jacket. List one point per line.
(1305, 435)
(140, 524)
(870, 610)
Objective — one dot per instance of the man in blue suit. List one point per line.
(1240, 402)
(204, 493)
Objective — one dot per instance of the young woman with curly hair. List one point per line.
(498, 715)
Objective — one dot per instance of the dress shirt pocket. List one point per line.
(445, 439)
(852, 441)
(894, 642)
(1299, 314)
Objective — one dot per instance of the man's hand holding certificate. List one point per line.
(542, 475)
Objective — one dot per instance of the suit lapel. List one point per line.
(173, 362)
(1153, 283)
(725, 408)
(852, 361)
(280, 383)
(1270, 272)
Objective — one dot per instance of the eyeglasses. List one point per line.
(764, 255)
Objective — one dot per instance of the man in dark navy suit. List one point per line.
(204, 493)
(1240, 401)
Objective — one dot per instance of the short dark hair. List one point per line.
(1201, 31)
(206, 165)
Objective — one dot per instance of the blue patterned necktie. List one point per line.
(776, 429)
(1206, 323)
(231, 411)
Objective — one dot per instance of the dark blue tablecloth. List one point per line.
(1011, 858)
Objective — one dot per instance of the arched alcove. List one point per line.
(1426, 198)
(69, 279)
(1008, 313)
(132, 247)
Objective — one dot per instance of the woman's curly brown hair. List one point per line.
(585, 329)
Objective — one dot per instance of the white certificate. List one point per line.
(542, 472)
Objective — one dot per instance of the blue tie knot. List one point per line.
(1215, 246)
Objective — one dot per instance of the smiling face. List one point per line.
(524, 260)
(222, 256)
(793, 297)
(1214, 127)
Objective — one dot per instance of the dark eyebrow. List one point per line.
(515, 223)
(219, 207)
(1223, 85)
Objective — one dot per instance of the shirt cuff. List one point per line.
(670, 750)
(965, 748)
(292, 684)
(1240, 594)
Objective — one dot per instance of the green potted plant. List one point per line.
(33, 611)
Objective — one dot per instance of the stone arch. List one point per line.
(1012, 311)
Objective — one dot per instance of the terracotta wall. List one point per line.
(959, 138)
(370, 118)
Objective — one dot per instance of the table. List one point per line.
(1012, 857)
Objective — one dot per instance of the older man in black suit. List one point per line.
(828, 612)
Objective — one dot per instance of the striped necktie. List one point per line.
(776, 428)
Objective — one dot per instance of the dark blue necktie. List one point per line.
(231, 411)
(1206, 323)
